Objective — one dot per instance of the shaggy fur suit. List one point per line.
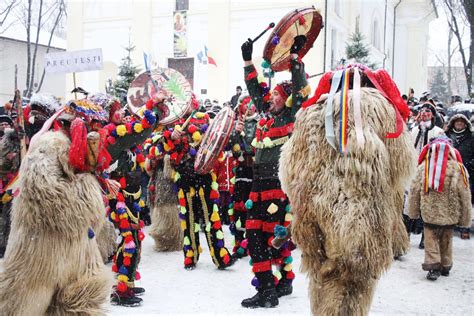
(52, 264)
(347, 210)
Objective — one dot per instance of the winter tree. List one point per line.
(439, 86)
(357, 51)
(127, 72)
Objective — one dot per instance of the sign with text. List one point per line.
(77, 61)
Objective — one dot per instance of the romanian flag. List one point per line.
(205, 58)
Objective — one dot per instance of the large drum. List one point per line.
(164, 83)
(305, 21)
(214, 140)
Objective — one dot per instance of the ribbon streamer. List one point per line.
(329, 121)
(357, 111)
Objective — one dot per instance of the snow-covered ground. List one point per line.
(403, 290)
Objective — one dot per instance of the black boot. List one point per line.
(263, 298)
(230, 263)
(444, 272)
(433, 275)
(125, 299)
(422, 242)
(284, 288)
(138, 291)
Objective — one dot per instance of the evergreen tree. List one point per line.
(127, 72)
(357, 51)
(439, 87)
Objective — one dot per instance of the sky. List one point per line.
(438, 41)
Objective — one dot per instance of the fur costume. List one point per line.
(347, 208)
(52, 263)
(165, 228)
(440, 194)
(106, 238)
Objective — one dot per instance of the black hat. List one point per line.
(429, 106)
(6, 119)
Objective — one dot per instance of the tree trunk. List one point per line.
(33, 64)
(450, 39)
(28, 49)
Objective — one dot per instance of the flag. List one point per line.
(205, 58)
(147, 60)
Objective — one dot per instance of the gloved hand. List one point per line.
(247, 49)
(298, 44)
(465, 234)
(232, 228)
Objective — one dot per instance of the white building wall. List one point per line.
(15, 52)
(224, 25)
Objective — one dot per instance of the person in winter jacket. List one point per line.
(426, 128)
(460, 133)
(440, 194)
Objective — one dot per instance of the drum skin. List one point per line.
(214, 140)
(305, 21)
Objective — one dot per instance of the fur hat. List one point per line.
(45, 102)
(457, 117)
(284, 88)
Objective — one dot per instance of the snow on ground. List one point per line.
(403, 290)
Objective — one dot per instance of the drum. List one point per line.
(164, 83)
(214, 140)
(305, 21)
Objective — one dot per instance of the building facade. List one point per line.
(396, 31)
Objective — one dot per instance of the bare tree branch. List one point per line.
(62, 8)
(33, 64)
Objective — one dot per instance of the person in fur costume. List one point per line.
(440, 194)
(346, 142)
(54, 216)
(268, 205)
(165, 227)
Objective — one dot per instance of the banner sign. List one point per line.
(76, 61)
(179, 39)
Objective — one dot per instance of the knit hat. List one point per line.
(429, 106)
(284, 88)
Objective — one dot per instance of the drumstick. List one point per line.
(271, 25)
(185, 124)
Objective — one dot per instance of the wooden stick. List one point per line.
(21, 122)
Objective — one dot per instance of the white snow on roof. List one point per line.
(18, 32)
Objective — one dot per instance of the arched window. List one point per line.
(375, 34)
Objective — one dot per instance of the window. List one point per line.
(375, 34)
(182, 5)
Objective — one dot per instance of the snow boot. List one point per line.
(433, 275)
(444, 272)
(263, 298)
(127, 298)
(231, 263)
(138, 291)
(284, 288)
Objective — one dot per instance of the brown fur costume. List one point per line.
(106, 240)
(165, 228)
(347, 210)
(51, 265)
(452, 206)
